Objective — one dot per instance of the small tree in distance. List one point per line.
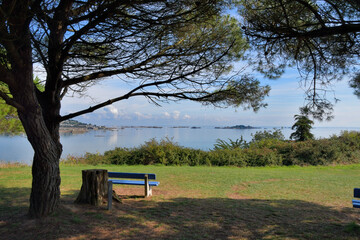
(302, 127)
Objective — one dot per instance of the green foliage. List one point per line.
(227, 157)
(343, 149)
(262, 157)
(246, 92)
(315, 36)
(238, 143)
(260, 138)
(9, 120)
(302, 128)
(276, 134)
(355, 84)
(164, 152)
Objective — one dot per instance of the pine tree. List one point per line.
(302, 128)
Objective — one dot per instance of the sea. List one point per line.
(18, 149)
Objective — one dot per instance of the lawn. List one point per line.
(194, 203)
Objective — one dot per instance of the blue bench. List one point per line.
(145, 177)
(356, 203)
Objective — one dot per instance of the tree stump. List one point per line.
(94, 187)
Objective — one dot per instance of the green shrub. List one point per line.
(227, 157)
(119, 156)
(238, 143)
(264, 151)
(262, 157)
(94, 159)
(274, 134)
(73, 160)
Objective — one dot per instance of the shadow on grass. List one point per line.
(180, 218)
(13, 201)
(221, 218)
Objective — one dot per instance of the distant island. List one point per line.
(238, 127)
(76, 127)
(73, 126)
(123, 127)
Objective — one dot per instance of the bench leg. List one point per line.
(110, 187)
(148, 190)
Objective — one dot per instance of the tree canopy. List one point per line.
(169, 50)
(172, 49)
(320, 38)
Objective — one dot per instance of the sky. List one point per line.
(284, 100)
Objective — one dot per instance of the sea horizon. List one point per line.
(18, 149)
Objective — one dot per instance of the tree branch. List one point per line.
(314, 11)
(11, 102)
(180, 95)
(99, 16)
(318, 33)
(103, 74)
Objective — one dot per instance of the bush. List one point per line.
(264, 151)
(275, 134)
(227, 157)
(262, 157)
(238, 143)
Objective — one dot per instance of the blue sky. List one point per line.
(286, 96)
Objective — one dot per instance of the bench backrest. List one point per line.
(357, 192)
(131, 175)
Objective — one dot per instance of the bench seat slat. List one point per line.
(133, 182)
(131, 175)
(357, 192)
(356, 203)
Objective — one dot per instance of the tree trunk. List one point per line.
(38, 111)
(94, 187)
(45, 192)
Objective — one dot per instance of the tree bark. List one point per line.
(40, 124)
(45, 192)
(94, 187)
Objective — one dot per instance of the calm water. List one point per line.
(18, 149)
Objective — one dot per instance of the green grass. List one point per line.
(196, 203)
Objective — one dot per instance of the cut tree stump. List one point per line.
(94, 187)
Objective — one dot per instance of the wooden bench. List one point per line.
(356, 203)
(126, 176)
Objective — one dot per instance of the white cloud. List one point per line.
(143, 116)
(186, 116)
(167, 115)
(113, 110)
(176, 115)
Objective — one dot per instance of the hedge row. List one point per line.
(342, 149)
